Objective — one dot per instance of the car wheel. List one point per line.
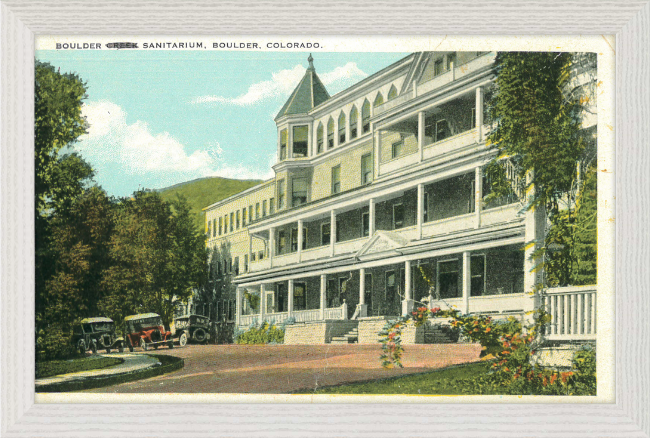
(108, 351)
(93, 348)
(199, 335)
(128, 344)
(170, 344)
(182, 340)
(143, 344)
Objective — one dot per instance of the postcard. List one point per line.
(294, 219)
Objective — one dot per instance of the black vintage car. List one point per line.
(191, 327)
(96, 333)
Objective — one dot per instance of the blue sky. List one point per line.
(159, 118)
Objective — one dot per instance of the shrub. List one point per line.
(265, 333)
(54, 343)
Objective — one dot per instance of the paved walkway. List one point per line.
(132, 362)
(277, 369)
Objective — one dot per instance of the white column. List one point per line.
(290, 299)
(371, 217)
(467, 281)
(271, 245)
(262, 302)
(238, 305)
(377, 152)
(420, 211)
(420, 134)
(290, 142)
(300, 240)
(332, 232)
(323, 301)
(408, 303)
(478, 196)
(479, 113)
(362, 307)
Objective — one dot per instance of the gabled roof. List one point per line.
(309, 93)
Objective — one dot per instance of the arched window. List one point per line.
(354, 120)
(342, 128)
(330, 133)
(379, 100)
(319, 139)
(365, 116)
(392, 94)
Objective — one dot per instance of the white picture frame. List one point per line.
(628, 20)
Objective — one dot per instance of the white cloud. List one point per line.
(284, 81)
(136, 150)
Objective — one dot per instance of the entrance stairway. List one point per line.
(351, 337)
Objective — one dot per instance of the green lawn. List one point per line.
(56, 367)
(448, 381)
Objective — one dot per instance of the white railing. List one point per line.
(307, 315)
(340, 312)
(505, 213)
(315, 253)
(451, 144)
(285, 259)
(449, 225)
(573, 312)
(349, 246)
(334, 313)
(248, 319)
(278, 317)
(260, 265)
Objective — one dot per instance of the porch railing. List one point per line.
(573, 312)
(299, 315)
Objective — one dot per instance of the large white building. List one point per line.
(376, 188)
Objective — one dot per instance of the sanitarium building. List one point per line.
(375, 188)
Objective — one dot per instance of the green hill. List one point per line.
(206, 191)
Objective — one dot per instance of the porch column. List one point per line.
(290, 299)
(262, 302)
(323, 289)
(479, 113)
(300, 240)
(271, 244)
(238, 306)
(332, 232)
(408, 303)
(363, 307)
(420, 210)
(467, 281)
(371, 217)
(421, 134)
(478, 196)
(377, 151)
(535, 222)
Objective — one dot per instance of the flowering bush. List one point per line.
(265, 333)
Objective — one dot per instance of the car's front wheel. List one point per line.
(199, 335)
(182, 340)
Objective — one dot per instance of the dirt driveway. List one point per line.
(277, 369)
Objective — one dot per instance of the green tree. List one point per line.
(585, 232)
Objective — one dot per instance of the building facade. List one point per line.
(377, 205)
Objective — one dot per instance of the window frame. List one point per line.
(264, 205)
(436, 139)
(336, 169)
(483, 274)
(280, 193)
(272, 206)
(294, 143)
(354, 123)
(394, 151)
(365, 231)
(231, 220)
(329, 233)
(342, 128)
(293, 191)
(366, 172)
(399, 204)
(284, 135)
(458, 272)
(320, 138)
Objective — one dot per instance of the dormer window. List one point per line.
(342, 128)
(365, 116)
(354, 119)
(392, 94)
(300, 141)
(283, 144)
(319, 139)
(330, 134)
(379, 100)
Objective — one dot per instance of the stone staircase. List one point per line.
(351, 337)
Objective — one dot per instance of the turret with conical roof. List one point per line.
(309, 93)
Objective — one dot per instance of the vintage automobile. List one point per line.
(146, 330)
(94, 333)
(194, 328)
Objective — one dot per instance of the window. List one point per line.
(243, 217)
(225, 266)
(438, 67)
(236, 265)
(231, 310)
(330, 134)
(237, 223)
(391, 285)
(368, 292)
(214, 227)
(245, 262)
(442, 130)
(299, 296)
(396, 149)
(365, 224)
(319, 138)
(332, 294)
(253, 257)
(342, 288)
(232, 217)
(250, 213)
(282, 241)
(282, 297)
(294, 239)
(448, 284)
(264, 208)
(272, 206)
(354, 120)
(336, 179)
(283, 144)
(392, 94)
(398, 216)
(342, 128)
(260, 255)
(451, 60)
(225, 224)
(429, 126)
(257, 210)
(366, 168)
(365, 116)
(425, 207)
(230, 263)
(218, 267)
(300, 141)
(325, 234)
(379, 100)
(280, 194)
(299, 191)
(472, 117)
(477, 272)
(209, 228)
(337, 230)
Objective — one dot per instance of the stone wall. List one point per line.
(318, 332)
